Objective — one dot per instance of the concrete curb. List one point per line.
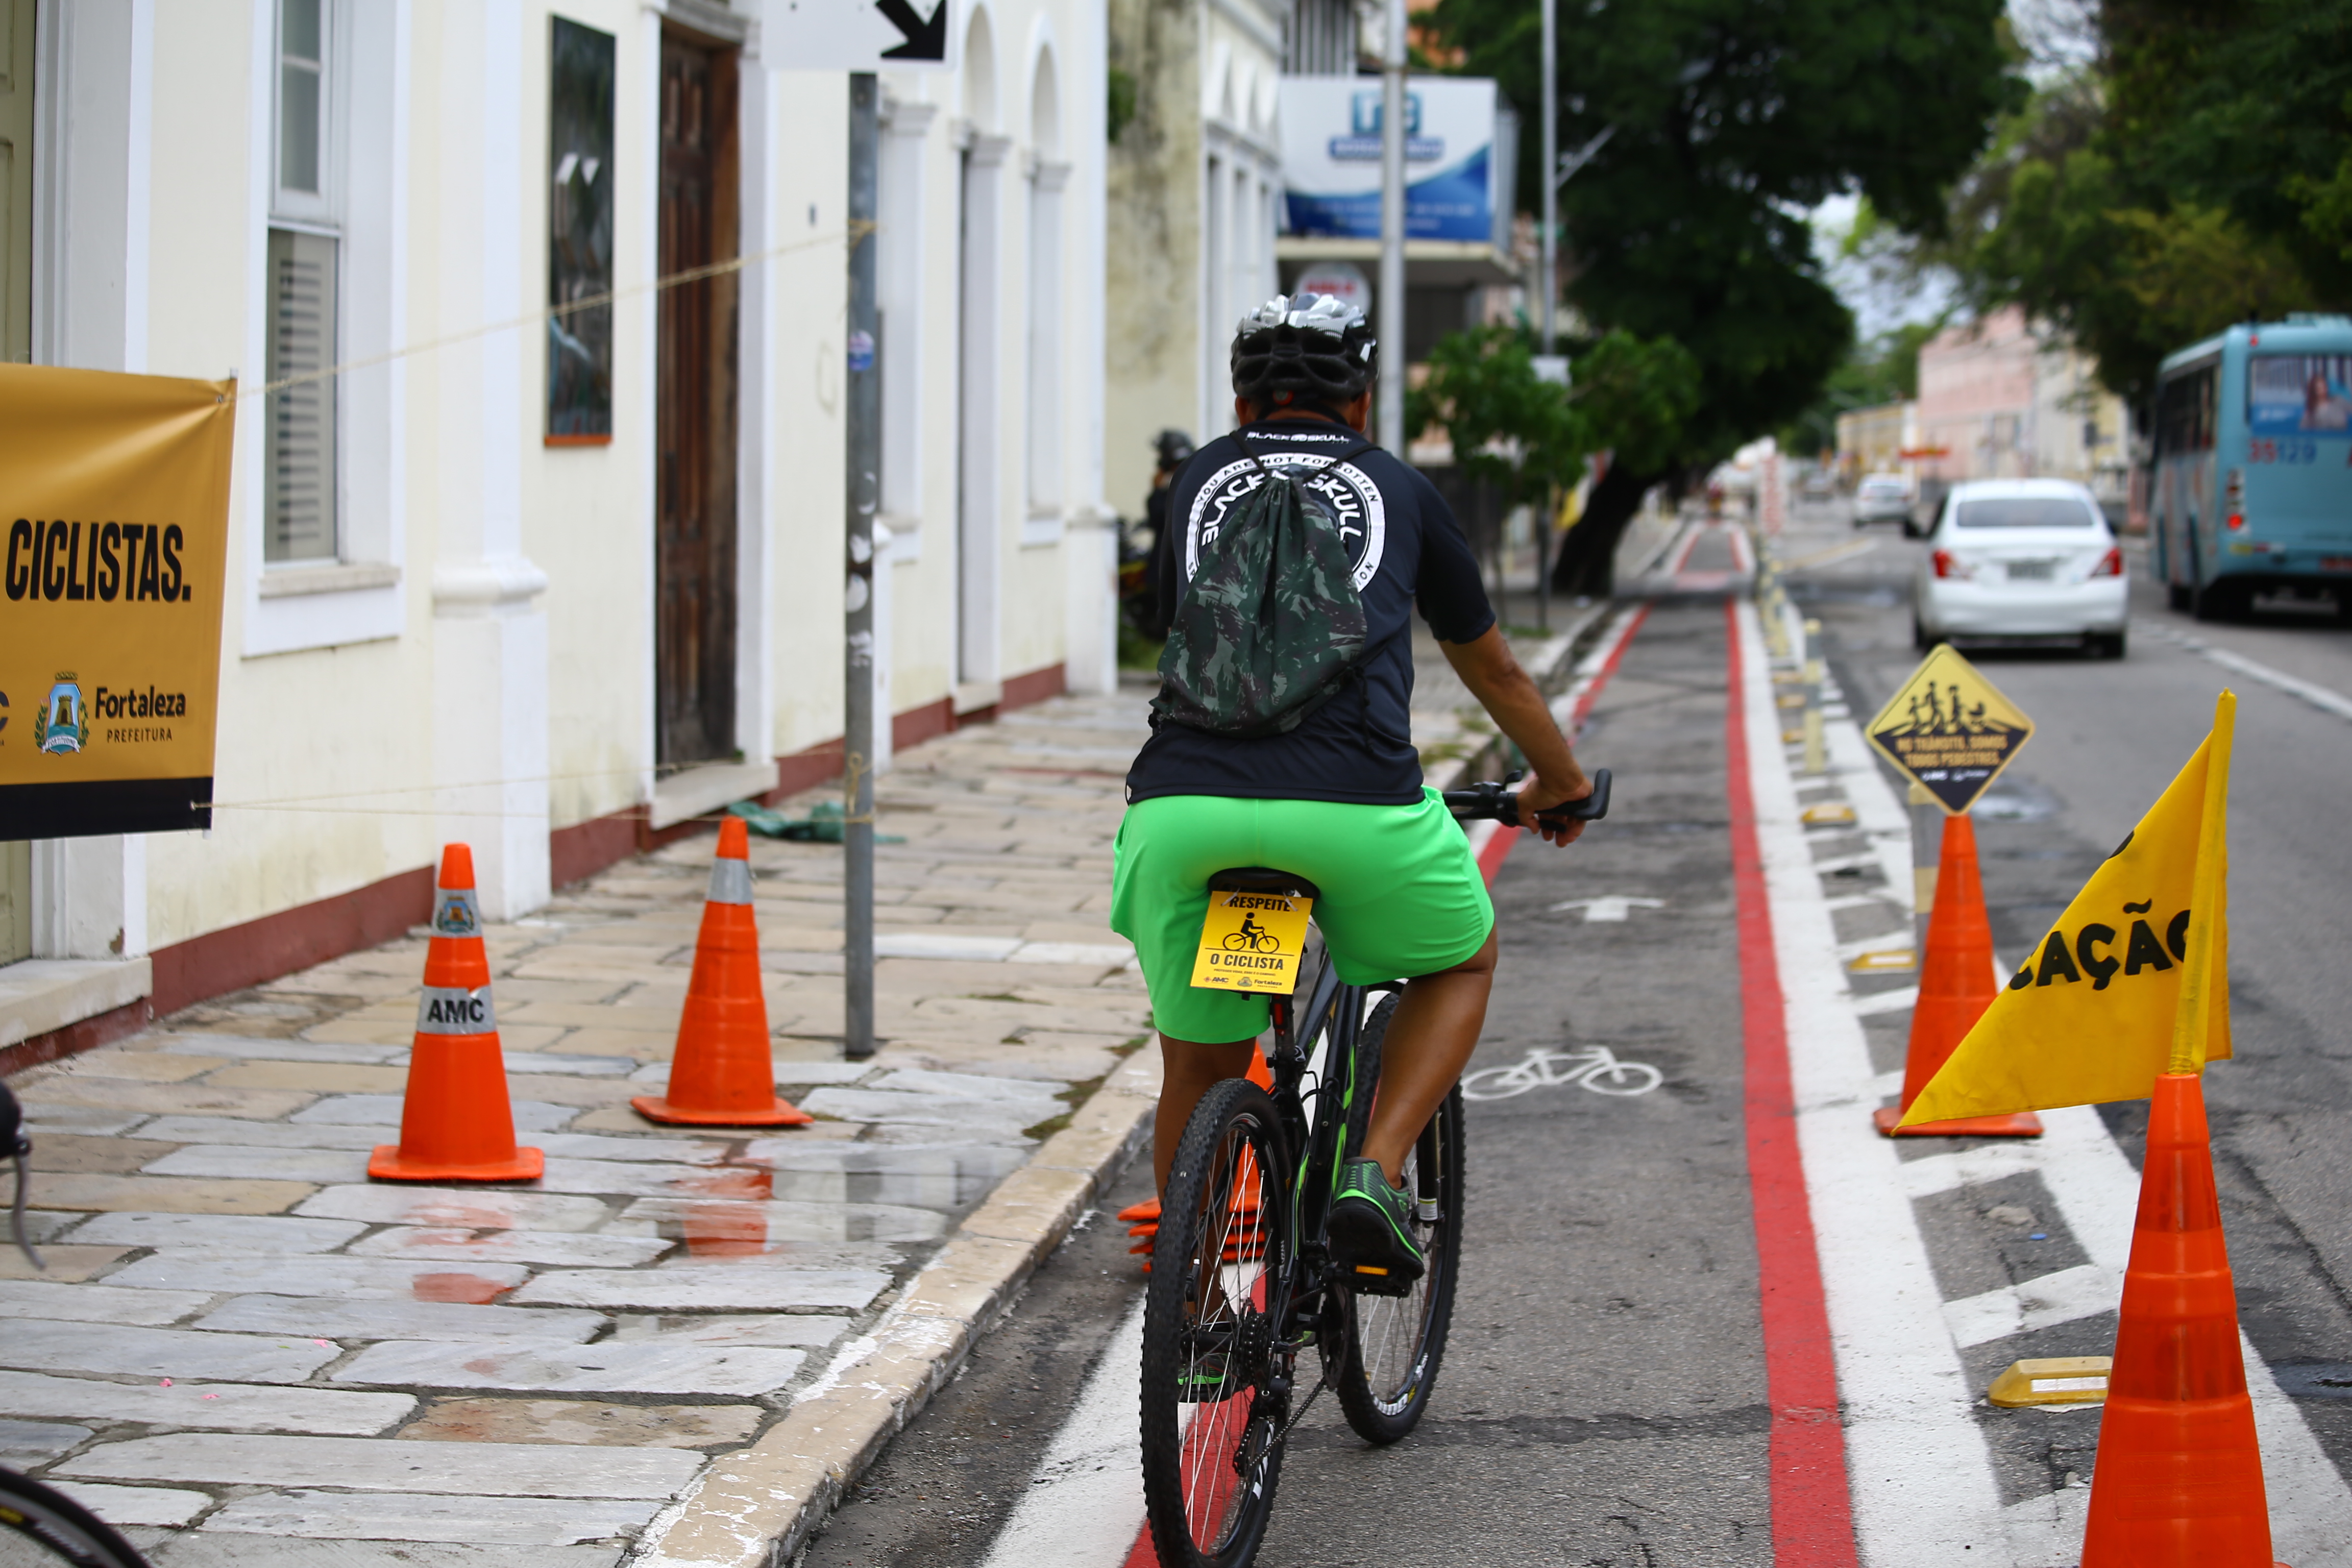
(757, 1507)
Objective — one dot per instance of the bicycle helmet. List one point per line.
(1175, 449)
(1304, 348)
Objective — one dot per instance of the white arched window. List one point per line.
(1047, 176)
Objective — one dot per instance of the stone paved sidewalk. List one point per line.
(251, 1352)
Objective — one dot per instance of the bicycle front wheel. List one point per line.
(1215, 1386)
(42, 1528)
(1395, 1342)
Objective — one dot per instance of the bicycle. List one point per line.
(1243, 1283)
(1595, 1067)
(39, 1524)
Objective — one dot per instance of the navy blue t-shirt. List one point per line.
(1407, 551)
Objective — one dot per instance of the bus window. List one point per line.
(2294, 394)
(2185, 412)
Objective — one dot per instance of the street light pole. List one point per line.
(1549, 267)
(1548, 275)
(1391, 302)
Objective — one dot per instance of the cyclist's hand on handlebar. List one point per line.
(1540, 794)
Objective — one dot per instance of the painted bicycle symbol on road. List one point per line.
(1595, 1067)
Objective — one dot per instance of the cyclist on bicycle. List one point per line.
(1338, 800)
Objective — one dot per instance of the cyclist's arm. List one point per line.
(1505, 690)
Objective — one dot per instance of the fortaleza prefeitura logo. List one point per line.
(62, 724)
(59, 725)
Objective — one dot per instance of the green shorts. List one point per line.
(1401, 893)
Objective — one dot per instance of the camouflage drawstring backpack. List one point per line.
(1271, 626)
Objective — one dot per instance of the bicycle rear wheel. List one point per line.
(1395, 1342)
(1216, 1389)
(42, 1528)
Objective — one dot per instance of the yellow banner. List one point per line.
(2134, 979)
(114, 499)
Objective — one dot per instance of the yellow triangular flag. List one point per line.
(2132, 981)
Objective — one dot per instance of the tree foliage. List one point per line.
(1884, 370)
(1728, 119)
(1526, 435)
(1731, 119)
(2197, 173)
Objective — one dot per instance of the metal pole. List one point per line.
(864, 407)
(1550, 166)
(1546, 275)
(1392, 327)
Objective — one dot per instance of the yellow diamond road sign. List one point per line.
(1950, 729)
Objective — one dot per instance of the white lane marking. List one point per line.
(1885, 1002)
(2062, 1295)
(2319, 697)
(1969, 1168)
(1834, 554)
(1924, 1493)
(1607, 909)
(1595, 1067)
(1084, 1508)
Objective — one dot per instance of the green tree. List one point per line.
(1527, 437)
(1728, 121)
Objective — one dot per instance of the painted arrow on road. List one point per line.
(1611, 907)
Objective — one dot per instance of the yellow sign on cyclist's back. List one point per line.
(1252, 941)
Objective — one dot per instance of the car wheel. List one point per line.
(1920, 638)
(2105, 645)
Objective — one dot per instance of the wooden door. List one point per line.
(693, 522)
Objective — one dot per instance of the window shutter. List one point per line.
(300, 459)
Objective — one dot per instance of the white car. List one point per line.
(2021, 560)
(1881, 497)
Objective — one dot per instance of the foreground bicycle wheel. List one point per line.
(1395, 1342)
(42, 1528)
(1214, 1393)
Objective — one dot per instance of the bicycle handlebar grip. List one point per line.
(1591, 808)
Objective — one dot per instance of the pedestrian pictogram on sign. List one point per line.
(1950, 729)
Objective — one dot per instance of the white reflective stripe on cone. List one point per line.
(731, 881)
(453, 1010)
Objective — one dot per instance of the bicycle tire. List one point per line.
(1646, 1078)
(1209, 1481)
(1236, 943)
(1396, 1343)
(53, 1528)
(1500, 1083)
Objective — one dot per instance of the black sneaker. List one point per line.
(1373, 1247)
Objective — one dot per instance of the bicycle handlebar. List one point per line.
(1492, 799)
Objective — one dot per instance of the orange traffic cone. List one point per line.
(723, 1073)
(455, 1124)
(1143, 1219)
(2179, 1478)
(1956, 985)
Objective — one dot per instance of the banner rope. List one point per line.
(856, 231)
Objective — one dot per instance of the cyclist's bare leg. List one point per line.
(1429, 1043)
(1189, 1069)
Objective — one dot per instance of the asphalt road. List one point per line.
(2110, 735)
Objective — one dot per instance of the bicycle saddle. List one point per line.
(1264, 880)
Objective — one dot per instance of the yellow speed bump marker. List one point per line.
(1252, 941)
(2056, 1380)
(1949, 730)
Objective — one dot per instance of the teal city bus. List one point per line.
(2252, 485)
